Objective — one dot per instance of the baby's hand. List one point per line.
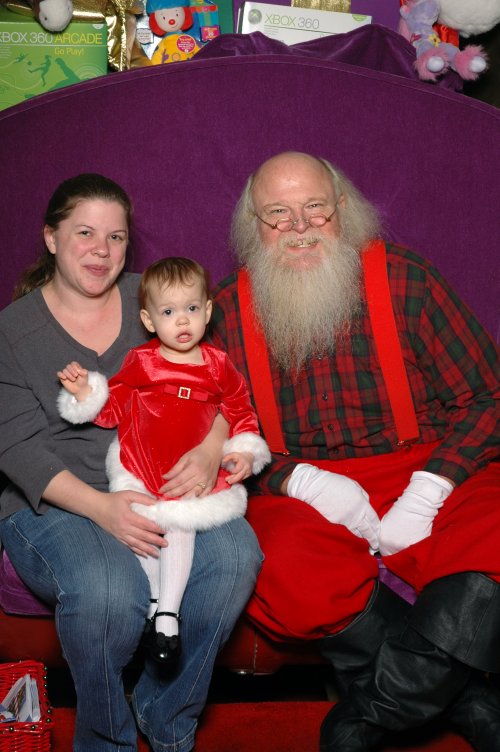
(240, 464)
(75, 380)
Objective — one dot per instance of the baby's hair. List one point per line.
(174, 270)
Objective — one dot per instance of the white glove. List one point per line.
(339, 499)
(410, 518)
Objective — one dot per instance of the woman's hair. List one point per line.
(67, 195)
(175, 270)
(358, 220)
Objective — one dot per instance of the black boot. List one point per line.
(413, 681)
(461, 615)
(352, 650)
(475, 714)
(419, 675)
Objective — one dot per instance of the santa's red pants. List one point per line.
(317, 576)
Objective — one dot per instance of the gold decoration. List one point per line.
(121, 23)
(341, 6)
(118, 15)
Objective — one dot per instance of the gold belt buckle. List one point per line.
(184, 392)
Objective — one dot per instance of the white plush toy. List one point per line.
(469, 17)
(53, 15)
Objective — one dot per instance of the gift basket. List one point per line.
(30, 736)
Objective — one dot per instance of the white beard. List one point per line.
(305, 309)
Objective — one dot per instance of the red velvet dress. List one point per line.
(164, 409)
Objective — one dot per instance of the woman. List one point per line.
(71, 540)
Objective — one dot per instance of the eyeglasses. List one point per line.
(314, 220)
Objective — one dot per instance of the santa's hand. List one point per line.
(410, 518)
(338, 498)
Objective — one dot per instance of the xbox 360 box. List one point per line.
(34, 60)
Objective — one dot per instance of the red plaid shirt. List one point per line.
(338, 406)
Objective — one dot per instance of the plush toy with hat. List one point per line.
(169, 16)
(434, 56)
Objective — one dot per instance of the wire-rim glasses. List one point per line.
(285, 225)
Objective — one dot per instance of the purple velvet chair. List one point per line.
(182, 138)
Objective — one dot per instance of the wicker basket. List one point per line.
(26, 737)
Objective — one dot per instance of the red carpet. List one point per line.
(259, 727)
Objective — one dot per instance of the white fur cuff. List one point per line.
(252, 443)
(83, 412)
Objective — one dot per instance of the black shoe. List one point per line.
(149, 629)
(165, 650)
(162, 648)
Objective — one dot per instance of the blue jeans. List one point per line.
(101, 594)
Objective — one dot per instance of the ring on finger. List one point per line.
(203, 485)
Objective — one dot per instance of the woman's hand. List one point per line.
(195, 473)
(111, 511)
(141, 535)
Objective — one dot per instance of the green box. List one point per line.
(34, 60)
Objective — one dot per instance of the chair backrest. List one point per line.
(182, 139)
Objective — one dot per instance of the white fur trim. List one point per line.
(252, 443)
(197, 514)
(83, 412)
(184, 514)
(119, 478)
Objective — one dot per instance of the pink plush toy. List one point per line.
(435, 57)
